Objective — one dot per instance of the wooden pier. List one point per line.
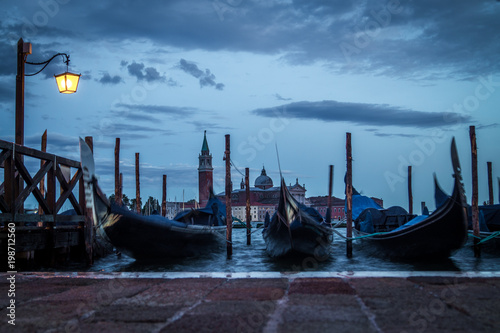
(48, 234)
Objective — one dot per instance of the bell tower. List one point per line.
(205, 173)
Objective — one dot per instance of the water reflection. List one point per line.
(254, 258)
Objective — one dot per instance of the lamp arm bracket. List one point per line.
(46, 63)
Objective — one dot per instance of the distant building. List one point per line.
(205, 172)
(264, 197)
(320, 203)
(173, 208)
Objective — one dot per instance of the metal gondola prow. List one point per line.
(457, 173)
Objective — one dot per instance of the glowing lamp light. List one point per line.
(67, 83)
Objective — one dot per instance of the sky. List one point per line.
(289, 76)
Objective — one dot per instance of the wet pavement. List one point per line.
(251, 302)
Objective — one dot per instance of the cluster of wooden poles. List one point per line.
(474, 201)
(348, 212)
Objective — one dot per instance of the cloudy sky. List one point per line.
(403, 77)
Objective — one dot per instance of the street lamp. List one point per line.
(67, 83)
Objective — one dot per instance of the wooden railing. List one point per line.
(19, 184)
(48, 229)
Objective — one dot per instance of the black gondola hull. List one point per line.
(149, 237)
(155, 237)
(436, 236)
(296, 229)
(429, 240)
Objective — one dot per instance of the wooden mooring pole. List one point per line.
(248, 216)
(19, 116)
(137, 185)
(229, 218)
(328, 216)
(89, 218)
(348, 194)
(474, 204)
(118, 198)
(42, 162)
(164, 197)
(490, 184)
(410, 193)
(121, 188)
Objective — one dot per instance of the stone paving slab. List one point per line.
(286, 303)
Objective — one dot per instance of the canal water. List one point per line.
(253, 258)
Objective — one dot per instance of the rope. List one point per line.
(234, 165)
(360, 237)
(474, 236)
(337, 224)
(248, 229)
(257, 229)
(493, 235)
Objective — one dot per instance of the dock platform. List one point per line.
(253, 302)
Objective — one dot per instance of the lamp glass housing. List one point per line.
(67, 82)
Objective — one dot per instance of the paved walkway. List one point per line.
(48, 302)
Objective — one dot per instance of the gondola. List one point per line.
(436, 235)
(489, 215)
(214, 213)
(296, 229)
(489, 222)
(148, 237)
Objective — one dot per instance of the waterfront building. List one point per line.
(320, 203)
(264, 197)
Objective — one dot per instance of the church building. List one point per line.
(205, 173)
(264, 197)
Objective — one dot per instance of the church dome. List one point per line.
(263, 181)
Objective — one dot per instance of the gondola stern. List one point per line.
(459, 190)
(96, 203)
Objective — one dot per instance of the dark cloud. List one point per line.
(206, 78)
(149, 74)
(493, 125)
(279, 98)
(116, 128)
(108, 79)
(203, 125)
(364, 114)
(417, 39)
(173, 111)
(135, 116)
(401, 135)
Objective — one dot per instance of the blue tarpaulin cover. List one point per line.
(413, 221)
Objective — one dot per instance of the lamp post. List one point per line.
(67, 83)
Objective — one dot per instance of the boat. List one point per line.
(489, 222)
(295, 229)
(214, 213)
(152, 237)
(437, 235)
(489, 215)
